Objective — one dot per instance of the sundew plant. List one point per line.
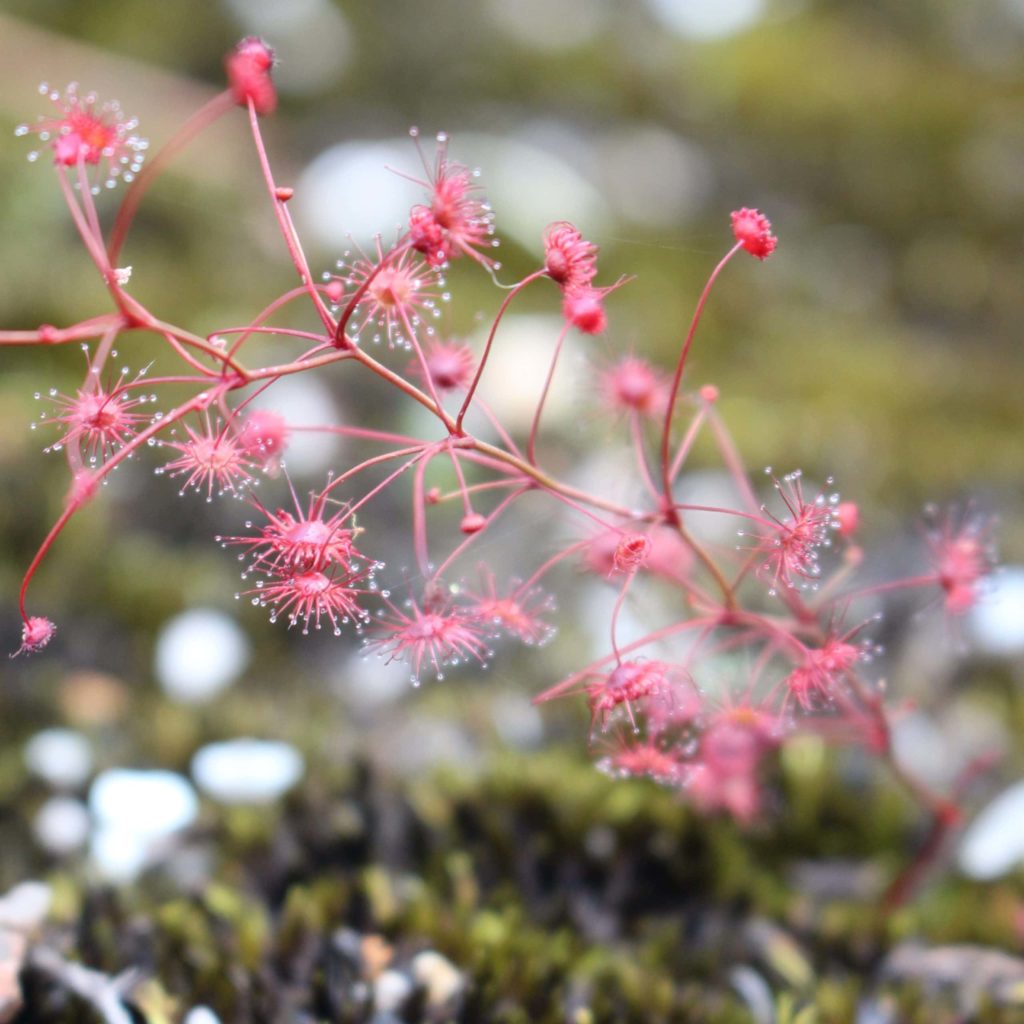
(784, 599)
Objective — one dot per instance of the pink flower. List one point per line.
(81, 131)
(100, 421)
(36, 632)
(794, 543)
(963, 556)
(628, 683)
(847, 518)
(397, 291)
(264, 435)
(631, 552)
(736, 738)
(668, 556)
(817, 681)
(633, 385)
(517, 613)
(569, 259)
(454, 222)
(632, 757)
(312, 596)
(584, 309)
(210, 458)
(303, 542)
(248, 68)
(437, 634)
(451, 364)
(725, 774)
(753, 231)
(737, 794)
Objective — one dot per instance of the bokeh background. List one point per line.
(881, 344)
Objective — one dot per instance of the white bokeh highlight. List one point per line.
(199, 654)
(135, 812)
(997, 620)
(247, 771)
(702, 20)
(60, 757)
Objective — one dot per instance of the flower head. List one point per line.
(451, 364)
(963, 555)
(303, 541)
(83, 131)
(584, 309)
(101, 420)
(632, 385)
(793, 543)
(313, 596)
(667, 555)
(631, 552)
(819, 678)
(264, 435)
(569, 259)
(725, 772)
(248, 68)
(454, 221)
(628, 683)
(753, 231)
(436, 634)
(211, 458)
(630, 756)
(396, 293)
(36, 632)
(516, 613)
(848, 518)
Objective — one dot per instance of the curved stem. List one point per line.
(203, 117)
(531, 444)
(513, 292)
(284, 221)
(666, 430)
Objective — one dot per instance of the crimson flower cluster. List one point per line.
(742, 646)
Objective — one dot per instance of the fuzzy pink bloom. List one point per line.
(396, 295)
(794, 543)
(818, 679)
(100, 421)
(737, 794)
(847, 518)
(736, 738)
(631, 552)
(455, 221)
(963, 556)
(264, 435)
(584, 309)
(569, 259)
(311, 597)
(211, 459)
(248, 68)
(629, 756)
(753, 231)
(517, 613)
(304, 541)
(633, 385)
(436, 634)
(725, 773)
(668, 556)
(36, 633)
(628, 683)
(451, 364)
(94, 134)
